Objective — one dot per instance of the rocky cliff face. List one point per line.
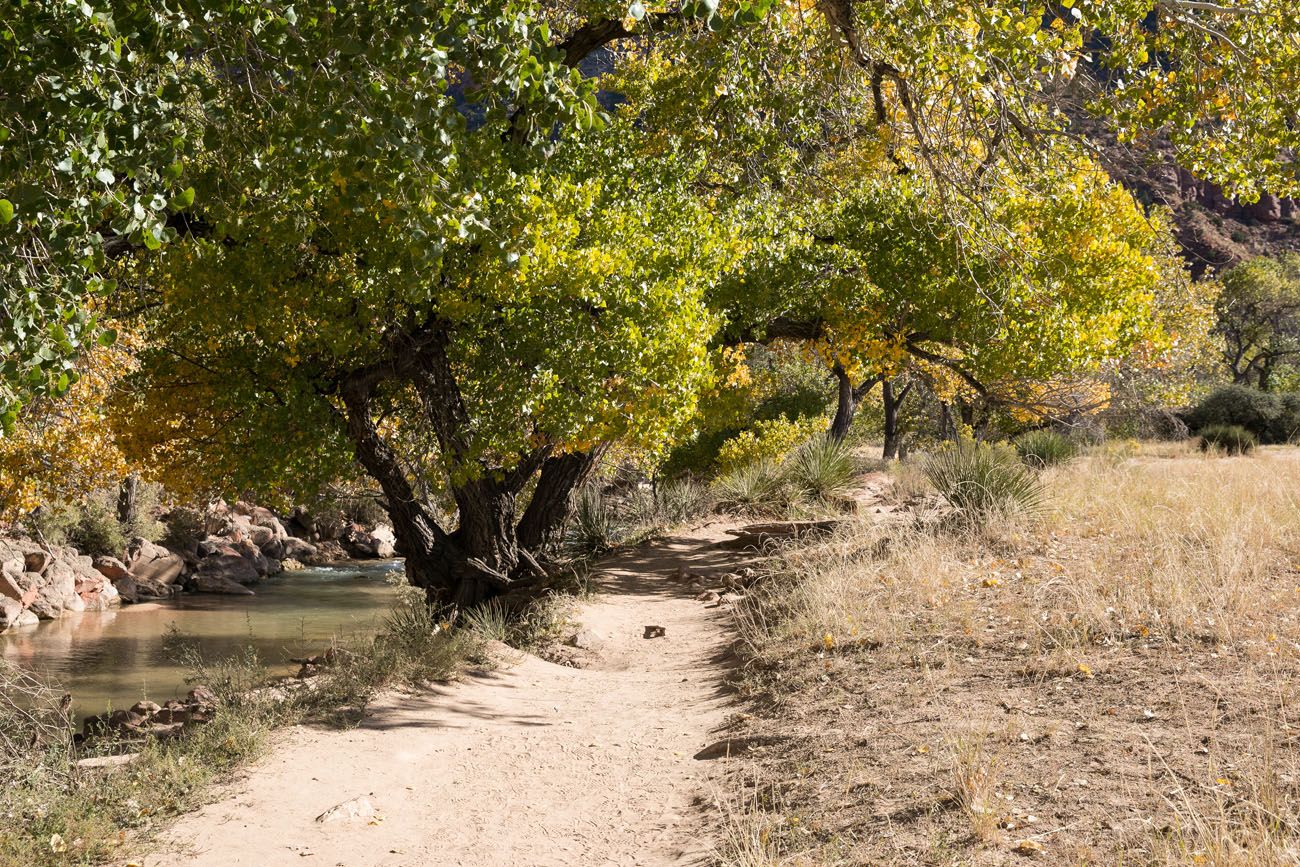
(1215, 231)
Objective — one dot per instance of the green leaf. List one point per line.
(6, 211)
(183, 199)
(107, 337)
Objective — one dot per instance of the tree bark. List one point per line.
(127, 492)
(847, 401)
(892, 401)
(543, 520)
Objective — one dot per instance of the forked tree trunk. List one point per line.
(892, 400)
(847, 400)
(127, 493)
(543, 520)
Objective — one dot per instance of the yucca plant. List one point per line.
(759, 485)
(592, 529)
(982, 481)
(821, 469)
(1232, 439)
(1045, 448)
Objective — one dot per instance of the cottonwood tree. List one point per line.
(1258, 316)
(1033, 285)
(464, 309)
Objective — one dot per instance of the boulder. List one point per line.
(228, 564)
(261, 536)
(366, 544)
(215, 581)
(327, 552)
(13, 583)
(131, 589)
(14, 615)
(153, 563)
(36, 561)
(250, 552)
(297, 549)
(111, 568)
(385, 541)
(262, 517)
(291, 565)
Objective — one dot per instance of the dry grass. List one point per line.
(1112, 682)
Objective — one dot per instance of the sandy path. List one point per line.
(531, 764)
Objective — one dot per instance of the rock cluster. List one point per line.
(154, 720)
(39, 582)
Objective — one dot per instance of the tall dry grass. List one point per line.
(1188, 547)
(1167, 560)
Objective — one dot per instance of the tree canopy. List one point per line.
(465, 246)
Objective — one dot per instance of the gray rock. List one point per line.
(212, 581)
(584, 639)
(357, 808)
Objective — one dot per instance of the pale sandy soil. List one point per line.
(529, 764)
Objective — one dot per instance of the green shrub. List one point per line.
(821, 469)
(772, 440)
(1272, 418)
(91, 526)
(758, 486)
(982, 481)
(1229, 438)
(669, 503)
(1045, 448)
(1287, 427)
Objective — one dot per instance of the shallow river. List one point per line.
(117, 657)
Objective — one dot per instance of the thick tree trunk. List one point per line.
(892, 400)
(847, 401)
(846, 406)
(543, 520)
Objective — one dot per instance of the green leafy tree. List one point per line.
(1258, 316)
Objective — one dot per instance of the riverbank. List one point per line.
(220, 550)
(117, 657)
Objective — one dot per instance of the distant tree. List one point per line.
(1259, 319)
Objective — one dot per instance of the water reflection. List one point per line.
(117, 657)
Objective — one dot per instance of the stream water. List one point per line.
(118, 657)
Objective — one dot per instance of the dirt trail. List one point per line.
(530, 764)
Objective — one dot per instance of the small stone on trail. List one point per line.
(708, 596)
(357, 808)
(655, 632)
(584, 639)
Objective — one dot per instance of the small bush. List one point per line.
(1045, 448)
(91, 526)
(821, 469)
(982, 481)
(1229, 438)
(770, 440)
(758, 486)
